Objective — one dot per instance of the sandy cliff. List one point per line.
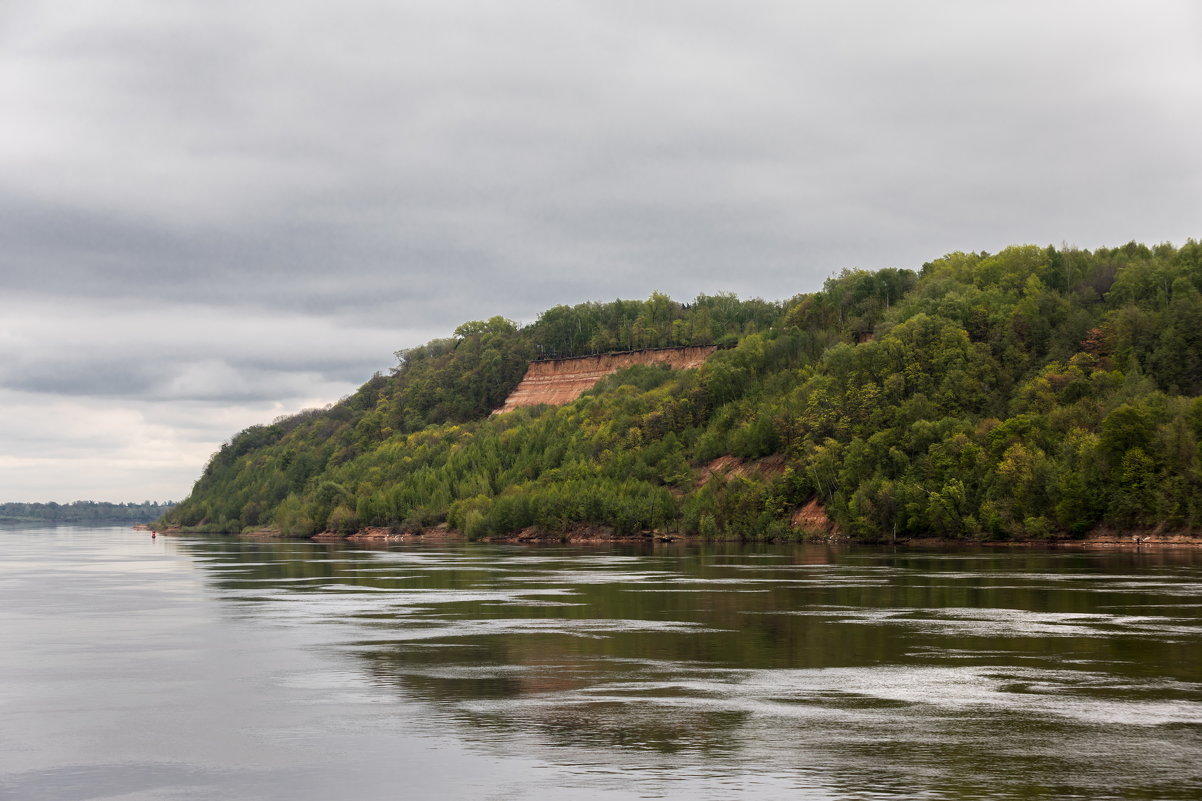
(559, 381)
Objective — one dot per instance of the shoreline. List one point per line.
(597, 535)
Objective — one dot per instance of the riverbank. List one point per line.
(593, 535)
(583, 535)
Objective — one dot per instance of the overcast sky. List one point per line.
(213, 213)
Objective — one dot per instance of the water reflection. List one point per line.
(969, 674)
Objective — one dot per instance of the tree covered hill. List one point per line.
(1030, 393)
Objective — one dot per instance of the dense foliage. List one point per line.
(82, 512)
(1030, 393)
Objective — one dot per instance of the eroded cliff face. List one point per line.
(559, 381)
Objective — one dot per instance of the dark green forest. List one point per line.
(1032, 393)
(81, 512)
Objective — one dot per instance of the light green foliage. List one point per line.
(1031, 393)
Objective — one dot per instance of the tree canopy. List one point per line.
(1034, 392)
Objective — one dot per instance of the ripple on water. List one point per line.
(465, 629)
(996, 622)
(890, 696)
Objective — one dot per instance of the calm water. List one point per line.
(211, 668)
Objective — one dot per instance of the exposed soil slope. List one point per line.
(559, 381)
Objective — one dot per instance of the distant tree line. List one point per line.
(83, 512)
(1035, 392)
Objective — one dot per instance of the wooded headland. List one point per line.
(1036, 393)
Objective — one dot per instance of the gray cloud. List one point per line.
(179, 351)
(215, 201)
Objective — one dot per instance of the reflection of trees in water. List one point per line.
(685, 619)
(560, 700)
(270, 564)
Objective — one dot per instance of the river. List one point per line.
(220, 668)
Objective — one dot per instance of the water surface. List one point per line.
(207, 668)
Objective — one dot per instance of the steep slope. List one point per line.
(558, 381)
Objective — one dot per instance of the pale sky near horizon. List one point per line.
(215, 213)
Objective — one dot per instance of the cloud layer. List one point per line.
(235, 205)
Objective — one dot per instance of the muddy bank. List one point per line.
(577, 534)
(590, 534)
(585, 534)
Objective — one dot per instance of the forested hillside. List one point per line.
(1034, 392)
